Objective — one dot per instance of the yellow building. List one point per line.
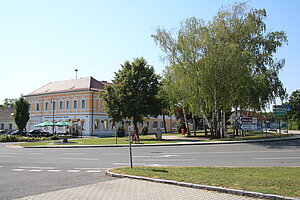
(78, 101)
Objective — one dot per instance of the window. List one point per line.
(2, 126)
(82, 103)
(75, 104)
(68, 105)
(155, 124)
(148, 124)
(46, 106)
(162, 124)
(54, 105)
(105, 125)
(10, 126)
(37, 106)
(82, 125)
(96, 124)
(60, 105)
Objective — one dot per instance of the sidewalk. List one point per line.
(129, 189)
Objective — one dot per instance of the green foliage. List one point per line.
(9, 138)
(294, 114)
(8, 103)
(180, 126)
(134, 93)
(144, 130)
(120, 131)
(54, 137)
(225, 63)
(21, 113)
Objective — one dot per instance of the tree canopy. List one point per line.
(134, 93)
(21, 112)
(225, 63)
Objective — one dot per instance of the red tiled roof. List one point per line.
(79, 84)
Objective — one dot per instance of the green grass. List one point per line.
(147, 139)
(283, 181)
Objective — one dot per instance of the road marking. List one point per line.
(38, 167)
(6, 156)
(36, 153)
(113, 154)
(73, 171)
(1, 166)
(183, 160)
(161, 156)
(54, 170)
(10, 153)
(17, 170)
(94, 171)
(35, 170)
(122, 164)
(157, 165)
(78, 158)
(91, 168)
(75, 154)
(236, 152)
(279, 158)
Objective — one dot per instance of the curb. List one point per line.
(167, 144)
(204, 187)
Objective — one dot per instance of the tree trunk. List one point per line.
(136, 128)
(164, 123)
(194, 125)
(171, 131)
(186, 123)
(224, 131)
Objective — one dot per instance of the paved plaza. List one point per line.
(123, 189)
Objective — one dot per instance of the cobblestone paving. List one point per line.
(123, 189)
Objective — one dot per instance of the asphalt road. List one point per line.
(25, 172)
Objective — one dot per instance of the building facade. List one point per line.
(78, 101)
(7, 122)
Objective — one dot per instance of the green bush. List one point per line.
(54, 137)
(9, 138)
(293, 125)
(180, 126)
(144, 130)
(120, 131)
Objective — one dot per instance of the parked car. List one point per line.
(38, 133)
(17, 132)
(2, 132)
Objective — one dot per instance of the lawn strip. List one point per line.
(284, 181)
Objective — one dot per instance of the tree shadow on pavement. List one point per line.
(287, 144)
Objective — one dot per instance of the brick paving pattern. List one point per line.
(129, 189)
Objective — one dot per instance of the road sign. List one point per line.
(248, 120)
(280, 113)
(249, 127)
(273, 125)
(282, 107)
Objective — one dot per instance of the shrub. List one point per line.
(120, 131)
(9, 138)
(144, 130)
(180, 126)
(54, 137)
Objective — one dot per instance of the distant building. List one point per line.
(77, 101)
(7, 122)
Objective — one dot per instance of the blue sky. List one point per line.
(45, 40)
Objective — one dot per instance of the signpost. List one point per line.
(248, 123)
(281, 112)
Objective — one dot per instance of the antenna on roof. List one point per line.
(76, 70)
